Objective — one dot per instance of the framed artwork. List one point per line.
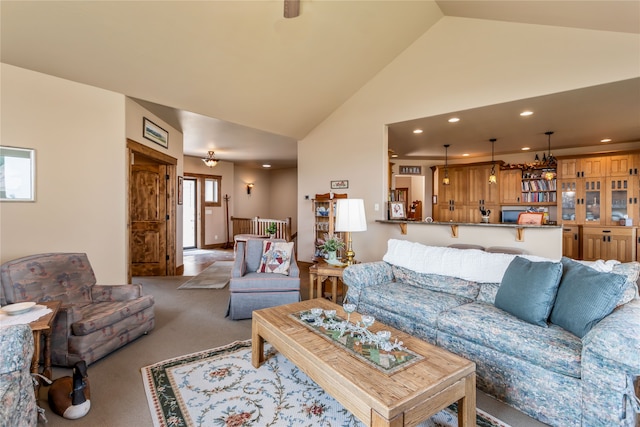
(155, 133)
(17, 174)
(410, 170)
(339, 185)
(180, 179)
(530, 218)
(397, 210)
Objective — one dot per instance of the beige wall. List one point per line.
(78, 133)
(283, 193)
(458, 64)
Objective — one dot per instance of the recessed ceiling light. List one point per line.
(454, 119)
(465, 155)
(417, 131)
(606, 140)
(526, 113)
(526, 148)
(394, 155)
(266, 165)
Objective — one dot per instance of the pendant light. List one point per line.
(550, 161)
(493, 179)
(210, 160)
(445, 180)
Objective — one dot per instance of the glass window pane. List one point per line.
(211, 191)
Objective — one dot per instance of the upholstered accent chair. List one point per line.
(251, 290)
(18, 406)
(94, 320)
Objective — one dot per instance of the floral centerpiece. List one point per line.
(331, 244)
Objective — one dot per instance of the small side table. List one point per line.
(323, 271)
(39, 327)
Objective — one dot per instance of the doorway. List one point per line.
(151, 212)
(189, 214)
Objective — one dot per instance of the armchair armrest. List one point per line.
(109, 293)
(616, 338)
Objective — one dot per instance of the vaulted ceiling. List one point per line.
(236, 76)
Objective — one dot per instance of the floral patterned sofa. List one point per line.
(18, 406)
(448, 297)
(94, 320)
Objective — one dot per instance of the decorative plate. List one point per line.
(18, 308)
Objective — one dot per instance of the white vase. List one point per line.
(331, 256)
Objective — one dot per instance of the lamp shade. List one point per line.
(350, 215)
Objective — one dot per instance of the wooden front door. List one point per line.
(148, 210)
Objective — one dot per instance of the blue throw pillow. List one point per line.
(585, 296)
(528, 289)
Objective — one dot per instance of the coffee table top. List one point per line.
(352, 378)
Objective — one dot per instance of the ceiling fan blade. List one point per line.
(291, 8)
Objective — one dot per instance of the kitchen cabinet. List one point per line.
(622, 199)
(571, 241)
(568, 168)
(570, 210)
(609, 243)
(621, 165)
(592, 167)
(510, 186)
(468, 190)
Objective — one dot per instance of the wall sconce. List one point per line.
(249, 187)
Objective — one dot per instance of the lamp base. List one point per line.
(350, 255)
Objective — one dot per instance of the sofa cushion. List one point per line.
(412, 302)
(448, 284)
(528, 289)
(260, 282)
(102, 314)
(584, 297)
(487, 325)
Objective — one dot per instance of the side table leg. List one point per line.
(35, 361)
(312, 281)
(47, 354)
(334, 289)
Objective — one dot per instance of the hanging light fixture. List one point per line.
(493, 179)
(445, 180)
(550, 160)
(210, 160)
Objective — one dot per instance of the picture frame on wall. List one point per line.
(340, 185)
(397, 210)
(155, 133)
(17, 174)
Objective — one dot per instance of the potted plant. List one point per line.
(271, 230)
(331, 245)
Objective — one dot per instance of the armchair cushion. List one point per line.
(276, 257)
(98, 316)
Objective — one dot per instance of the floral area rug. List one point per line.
(220, 387)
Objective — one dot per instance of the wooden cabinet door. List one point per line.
(622, 244)
(593, 196)
(510, 186)
(593, 167)
(451, 213)
(592, 244)
(568, 168)
(621, 165)
(571, 242)
(479, 191)
(621, 199)
(570, 201)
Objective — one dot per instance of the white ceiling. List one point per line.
(238, 78)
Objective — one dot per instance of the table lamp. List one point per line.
(350, 217)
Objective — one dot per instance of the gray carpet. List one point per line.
(215, 277)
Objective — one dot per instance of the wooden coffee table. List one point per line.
(404, 398)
